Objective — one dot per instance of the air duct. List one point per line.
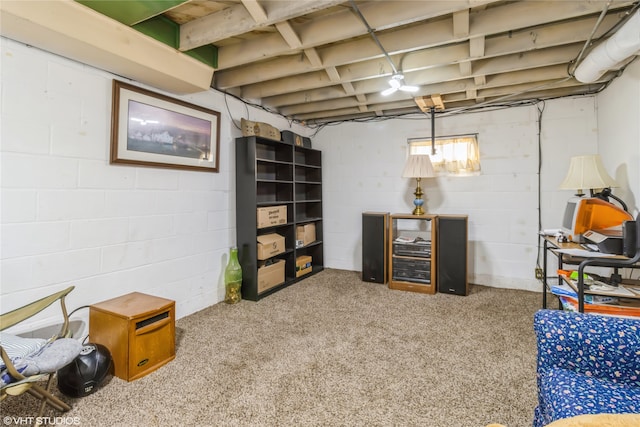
(624, 44)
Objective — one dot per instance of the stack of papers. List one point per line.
(584, 253)
(567, 291)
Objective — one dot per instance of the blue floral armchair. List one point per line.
(587, 364)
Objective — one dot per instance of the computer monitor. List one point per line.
(590, 213)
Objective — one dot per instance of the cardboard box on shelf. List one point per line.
(270, 275)
(270, 245)
(303, 265)
(272, 215)
(305, 234)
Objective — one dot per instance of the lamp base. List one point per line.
(418, 202)
(418, 210)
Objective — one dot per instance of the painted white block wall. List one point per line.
(363, 162)
(619, 134)
(70, 218)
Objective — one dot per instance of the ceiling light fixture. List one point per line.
(397, 79)
(397, 83)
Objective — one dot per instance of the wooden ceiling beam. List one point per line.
(237, 19)
(557, 88)
(348, 88)
(461, 24)
(552, 35)
(509, 79)
(288, 34)
(313, 57)
(256, 11)
(334, 28)
(465, 68)
(476, 47)
(480, 80)
(333, 74)
(354, 112)
(340, 26)
(506, 63)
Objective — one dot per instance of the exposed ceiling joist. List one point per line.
(289, 35)
(236, 20)
(256, 11)
(503, 44)
(316, 60)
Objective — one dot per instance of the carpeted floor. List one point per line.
(334, 351)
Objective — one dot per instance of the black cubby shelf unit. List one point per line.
(272, 173)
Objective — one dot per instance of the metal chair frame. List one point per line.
(30, 384)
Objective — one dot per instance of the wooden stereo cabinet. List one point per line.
(412, 252)
(138, 330)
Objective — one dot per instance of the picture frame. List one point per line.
(151, 129)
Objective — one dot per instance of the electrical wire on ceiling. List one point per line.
(494, 104)
(397, 79)
(569, 70)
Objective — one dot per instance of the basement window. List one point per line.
(456, 155)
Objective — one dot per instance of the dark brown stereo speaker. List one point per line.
(374, 246)
(451, 254)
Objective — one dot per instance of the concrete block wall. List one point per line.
(363, 163)
(70, 218)
(619, 134)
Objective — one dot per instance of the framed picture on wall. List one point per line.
(150, 129)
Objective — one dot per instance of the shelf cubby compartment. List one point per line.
(274, 192)
(308, 211)
(308, 174)
(272, 150)
(274, 171)
(308, 157)
(308, 192)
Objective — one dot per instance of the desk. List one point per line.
(551, 245)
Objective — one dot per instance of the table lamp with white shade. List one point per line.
(418, 166)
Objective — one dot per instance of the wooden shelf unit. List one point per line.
(413, 272)
(274, 173)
